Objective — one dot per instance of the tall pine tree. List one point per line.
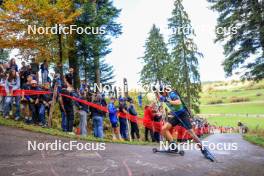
(155, 59)
(92, 49)
(183, 71)
(244, 35)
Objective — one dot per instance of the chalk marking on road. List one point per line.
(153, 166)
(111, 163)
(92, 170)
(22, 172)
(9, 164)
(127, 168)
(51, 167)
(99, 156)
(137, 155)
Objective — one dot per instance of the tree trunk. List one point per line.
(60, 55)
(97, 70)
(73, 62)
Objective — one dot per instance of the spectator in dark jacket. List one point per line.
(133, 121)
(97, 116)
(45, 101)
(122, 119)
(67, 107)
(34, 102)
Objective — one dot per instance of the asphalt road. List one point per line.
(121, 159)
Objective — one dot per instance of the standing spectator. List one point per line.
(24, 100)
(122, 120)
(140, 99)
(157, 116)
(12, 83)
(44, 67)
(34, 103)
(69, 77)
(34, 69)
(2, 85)
(13, 65)
(67, 107)
(45, 102)
(97, 116)
(23, 72)
(133, 122)
(83, 111)
(148, 121)
(113, 118)
(57, 81)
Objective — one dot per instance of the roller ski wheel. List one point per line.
(154, 150)
(181, 153)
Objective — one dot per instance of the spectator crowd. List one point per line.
(35, 108)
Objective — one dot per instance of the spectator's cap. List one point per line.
(33, 82)
(121, 99)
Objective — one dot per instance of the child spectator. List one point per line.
(113, 118)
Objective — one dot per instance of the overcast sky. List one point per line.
(137, 18)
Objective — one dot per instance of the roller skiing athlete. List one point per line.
(180, 116)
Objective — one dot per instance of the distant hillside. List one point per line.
(232, 97)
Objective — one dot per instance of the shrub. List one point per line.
(219, 101)
(259, 94)
(238, 99)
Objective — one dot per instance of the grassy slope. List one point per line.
(225, 92)
(60, 133)
(234, 108)
(251, 122)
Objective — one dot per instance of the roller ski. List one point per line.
(176, 151)
(207, 154)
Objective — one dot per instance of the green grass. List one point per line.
(234, 108)
(255, 125)
(59, 133)
(255, 139)
(226, 95)
(251, 122)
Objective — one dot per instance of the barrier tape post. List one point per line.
(52, 105)
(128, 128)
